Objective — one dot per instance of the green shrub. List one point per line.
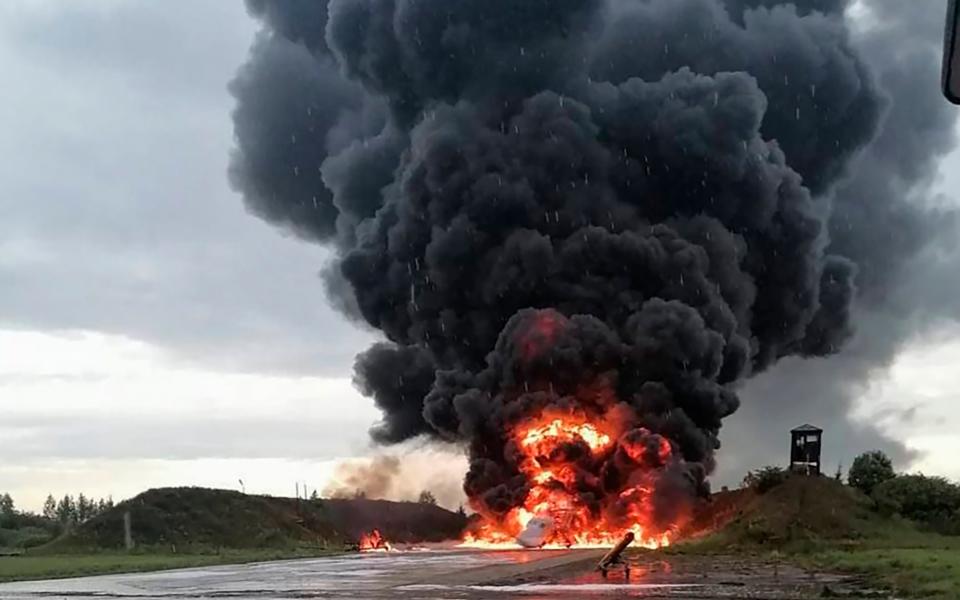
(869, 470)
(26, 537)
(765, 479)
(933, 501)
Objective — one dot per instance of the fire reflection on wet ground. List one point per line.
(462, 574)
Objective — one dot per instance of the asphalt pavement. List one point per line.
(408, 574)
(454, 575)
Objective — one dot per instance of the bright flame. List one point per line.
(558, 431)
(373, 542)
(550, 451)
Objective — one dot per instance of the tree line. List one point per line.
(69, 509)
(79, 510)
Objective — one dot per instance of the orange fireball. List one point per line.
(555, 514)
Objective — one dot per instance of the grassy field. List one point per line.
(907, 562)
(24, 568)
(822, 525)
(922, 568)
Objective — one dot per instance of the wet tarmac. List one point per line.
(535, 575)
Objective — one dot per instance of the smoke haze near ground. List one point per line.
(400, 476)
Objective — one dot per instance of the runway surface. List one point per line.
(413, 575)
(452, 574)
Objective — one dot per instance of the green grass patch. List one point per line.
(25, 537)
(915, 572)
(29, 567)
(895, 555)
(902, 559)
(819, 524)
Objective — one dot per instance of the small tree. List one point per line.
(7, 508)
(838, 476)
(85, 509)
(50, 508)
(314, 496)
(8, 513)
(67, 510)
(869, 470)
(427, 497)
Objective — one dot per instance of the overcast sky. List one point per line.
(153, 333)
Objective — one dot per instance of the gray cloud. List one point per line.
(903, 238)
(117, 214)
(131, 437)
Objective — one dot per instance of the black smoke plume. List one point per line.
(534, 199)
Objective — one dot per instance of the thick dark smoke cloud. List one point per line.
(674, 184)
(300, 21)
(291, 103)
(902, 239)
(738, 8)
(822, 104)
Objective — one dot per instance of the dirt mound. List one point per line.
(801, 510)
(397, 521)
(715, 514)
(197, 519)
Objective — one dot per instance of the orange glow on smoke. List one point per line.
(550, 450)
(374, 541)
(541, 334)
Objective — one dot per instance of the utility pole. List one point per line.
(299, 508)
(128, 531)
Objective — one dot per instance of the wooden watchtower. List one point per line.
(805, 445)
